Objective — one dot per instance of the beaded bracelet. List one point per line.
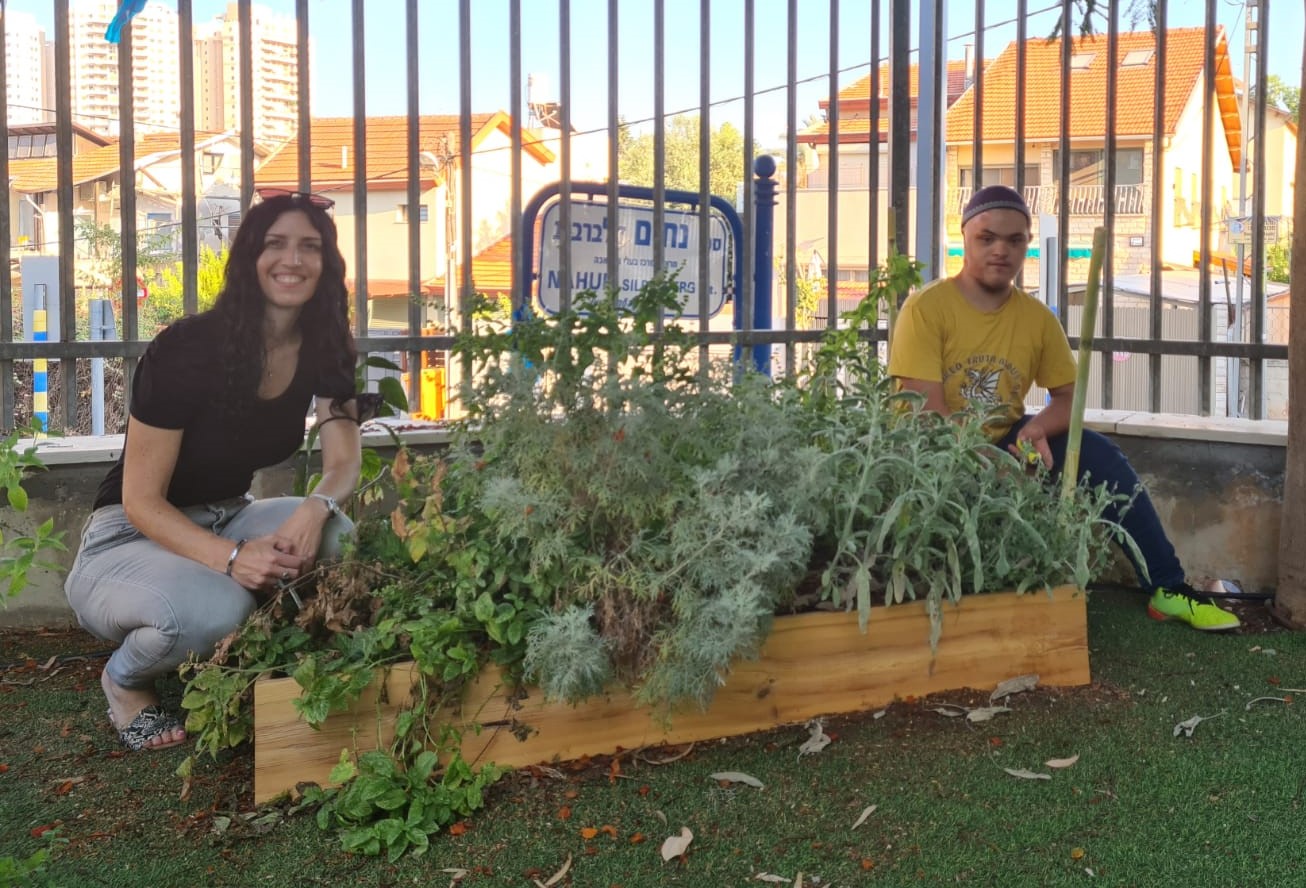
(231, 559)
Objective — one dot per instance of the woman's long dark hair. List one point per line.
(323, 323)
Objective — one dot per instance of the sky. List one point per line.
(438, 30)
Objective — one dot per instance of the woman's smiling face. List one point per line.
(291, 262)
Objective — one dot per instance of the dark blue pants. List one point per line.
(1101, 461)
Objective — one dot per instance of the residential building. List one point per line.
(93, 67)
(275, 74)
(858, 149)
(25, 90)
(333, 166)
(33, 209)
(1181, 144)
(98, 180)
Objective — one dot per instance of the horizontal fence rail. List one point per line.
(130, 168)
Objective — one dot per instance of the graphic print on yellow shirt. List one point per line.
(986, 361)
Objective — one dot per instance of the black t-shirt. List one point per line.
(178, 385)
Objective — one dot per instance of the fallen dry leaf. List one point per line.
(1267, 700)
(1027, 775)
(817, 741)
(1062, 763)
(736, 777)
(1188, 725)
(458, 829)
(588, 832)
(949, 710)
(558, 876)
(866, 812)
(770, 877)
(608, 829)
(675, 846)
(1076, 853)
(564, 813)
(1017, 685)
(985, 713)
(638, 839)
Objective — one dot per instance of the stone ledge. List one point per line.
(91, 449)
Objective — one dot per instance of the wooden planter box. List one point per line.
(812, 664)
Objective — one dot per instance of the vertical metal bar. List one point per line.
(745, 295)
(704, 166)
(245, 27)
(360, 168)
(832, 180)
(1022, 63)
(873, 185)
(659, 133)
(6, 238)
(1256, 393)
(791, 182)
(464, 187)
(521, 297)
(190, 248)
(1063, 172)
(127, 204)
(305, 113)
(614, 124)
(1156, 305)
(1109, 203)
(1205, 396)
(465, 228)
(63, 138)
(899, 123)
(564, 153)
(977, 146)
(414, 199)
(932, 81)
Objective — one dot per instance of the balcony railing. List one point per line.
(1083, 200)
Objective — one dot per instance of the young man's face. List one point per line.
(995, 245)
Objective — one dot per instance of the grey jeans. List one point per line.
(160, 607)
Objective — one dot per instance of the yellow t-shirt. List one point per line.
(986, 360)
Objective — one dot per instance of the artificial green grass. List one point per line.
(1140, 807)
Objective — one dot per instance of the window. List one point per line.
(1081, 60)
(401, 213)
(158, 220)
(210, 162)
(1137, 58)
(1087, 167)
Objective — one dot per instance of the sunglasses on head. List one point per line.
(314, 200)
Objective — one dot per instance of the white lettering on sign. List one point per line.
(588, 242)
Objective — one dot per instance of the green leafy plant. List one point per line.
(20, 553)
(619, 508)
(33, 870)
(390, 400)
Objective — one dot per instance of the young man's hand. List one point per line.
(1031, 446)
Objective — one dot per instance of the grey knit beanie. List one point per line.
(994, 197)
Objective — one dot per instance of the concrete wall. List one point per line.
(1216, 483)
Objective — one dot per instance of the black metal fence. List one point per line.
(893, 135)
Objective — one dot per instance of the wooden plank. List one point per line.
(812, 664)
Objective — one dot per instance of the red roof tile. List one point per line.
(854, 104)
(332, 161)
(491, 269)
(40, 174)
(1135, 89)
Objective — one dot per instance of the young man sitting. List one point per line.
(976, 342)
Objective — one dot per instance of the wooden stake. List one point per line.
(1070, 472)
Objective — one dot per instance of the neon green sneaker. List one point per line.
(1185, 604)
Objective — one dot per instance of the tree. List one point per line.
(1290, 595)
(726, 153)
(164, 303)
(1281, 95)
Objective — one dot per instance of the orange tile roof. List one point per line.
(1135, 89)
(37, 175)
(387, 149)
(491, 269)
(854, 103)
